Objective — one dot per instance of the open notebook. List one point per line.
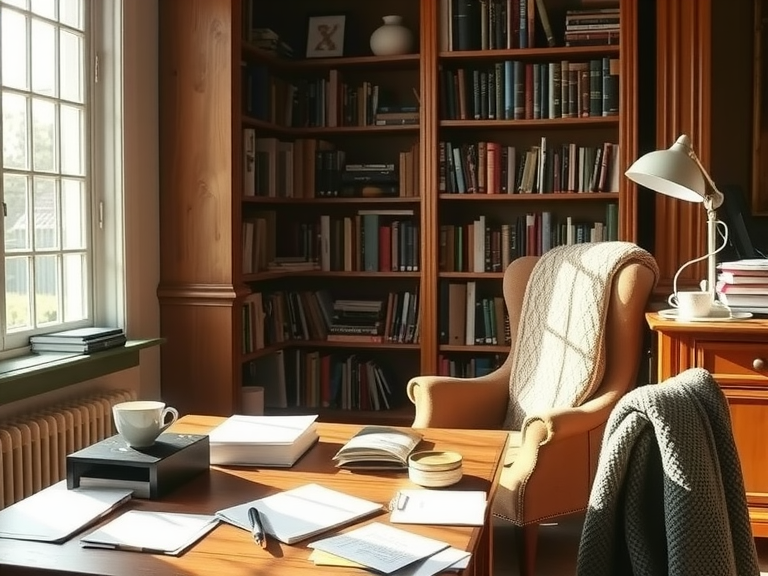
(55, 513)
(299, 513)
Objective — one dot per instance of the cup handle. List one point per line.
(672, 300)
(174, 416)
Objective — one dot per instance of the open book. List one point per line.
(378, 447)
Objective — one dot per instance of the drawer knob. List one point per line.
(758, 364)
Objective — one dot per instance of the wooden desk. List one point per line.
(736, 353)
(229, 551)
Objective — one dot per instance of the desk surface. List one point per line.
(230, 551)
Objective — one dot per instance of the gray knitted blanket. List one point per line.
(668, 498)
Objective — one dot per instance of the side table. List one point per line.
(736, 354)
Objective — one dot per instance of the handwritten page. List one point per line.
(444, 507)
(296, 514)
(380, 547)
(55, 513)
(154, 532)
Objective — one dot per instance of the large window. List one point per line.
(45, 79)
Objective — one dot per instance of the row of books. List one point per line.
(277, 317)
(314, 379)
(312, 168)
(496, 168)
(483, 246)
(320, 101)
(487, 25)
(517, 90)
(467, 319)
(370, 240)
(502, 24)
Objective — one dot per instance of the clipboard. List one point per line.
(440, 507)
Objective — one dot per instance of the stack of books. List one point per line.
(262, 440)
(592, 27)
(79, 340)
(742, 285)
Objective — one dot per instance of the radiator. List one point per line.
(34, 446)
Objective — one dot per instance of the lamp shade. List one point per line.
(672, 172)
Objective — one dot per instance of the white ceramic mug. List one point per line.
(692, 304)
(141, 422)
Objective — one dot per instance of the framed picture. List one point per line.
(325, 36)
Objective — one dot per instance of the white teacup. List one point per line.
(692, 304)
(142, 421)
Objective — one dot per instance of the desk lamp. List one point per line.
(678, 172)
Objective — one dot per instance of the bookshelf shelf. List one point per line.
(575, 123)
(479, 348)
(375, 201)
(548, 197)
(353, 345)
(472, 275)
(279, 274)
(399, 62)
(325, 131)
(568, 52)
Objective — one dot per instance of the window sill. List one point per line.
(26, 376)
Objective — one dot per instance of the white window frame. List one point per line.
(104, 97)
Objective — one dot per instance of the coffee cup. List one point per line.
(141, 422)
(692, 304)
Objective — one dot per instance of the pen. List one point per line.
(256, 527)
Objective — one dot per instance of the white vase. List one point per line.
(392, 38)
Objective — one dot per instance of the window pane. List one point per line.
(45, 8)
(73, 214)
(13, 44)
(71, 13)
(15, 123)
(17, 293)
(75, 301)
(17, 222)
(19, 3)
(47, 290)
(72, 141)
(45, 220)
(43, 135)
(43, 58)
(71, 67)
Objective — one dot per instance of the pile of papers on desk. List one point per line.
(262, 440)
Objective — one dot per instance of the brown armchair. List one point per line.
(551, 462)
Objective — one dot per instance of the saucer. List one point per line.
(672, 314)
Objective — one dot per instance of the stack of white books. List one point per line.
(262, 440)
(742, 285)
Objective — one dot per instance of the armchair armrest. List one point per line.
(447, 402)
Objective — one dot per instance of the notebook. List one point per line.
(262, 440)
(446, 507)
(296, 514)
(55, 513)
(167, 533)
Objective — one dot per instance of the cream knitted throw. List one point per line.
(559, 352)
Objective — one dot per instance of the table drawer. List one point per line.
(734, 358)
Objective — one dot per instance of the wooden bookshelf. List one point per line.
(203, 286)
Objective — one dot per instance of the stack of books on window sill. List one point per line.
(79, 340)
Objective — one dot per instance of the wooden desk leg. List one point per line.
(481, 563)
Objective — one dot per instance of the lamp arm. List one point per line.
(716, 198)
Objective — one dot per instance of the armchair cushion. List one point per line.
(559, 357)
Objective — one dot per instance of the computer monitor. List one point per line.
(736, 215)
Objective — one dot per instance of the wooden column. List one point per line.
(428, 145)
(683, 82)
(628, 127)
(198, 289)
